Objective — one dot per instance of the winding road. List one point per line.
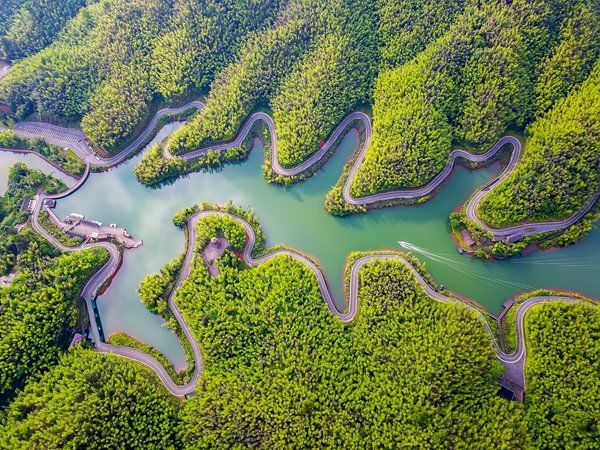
(514, 363)
(516, 232)
(76, 141)
(73, 139)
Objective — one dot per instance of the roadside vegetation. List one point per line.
(39, 310)
(50, 227)
(407, 370)
(115, 56)
(559, 173)
(125, 340)
(22, 184)
(265, 356)
(467, 88)
(312, 68)
(62, 157)
(40, 305)
(91, 400)
(436, 75)
(563, 390)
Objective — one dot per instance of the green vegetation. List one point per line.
(572, 59)
(92, 401)
(182, 217)
(202, 37)
(406, 27)
(281, 370)
(154, 291)
(273, 351)
(156, 168)
(39, 307)
(8, 8)
(558, 173)
(329, 76)
(484, 247)
(115, 56)
(50, 227)
(38, 311)
(437, 74)
(155, 288)
(62, 157)
(265, 59)
(22, 184)
(312, 69)
(29, 26)
(563, 391)
(468, 87)
(125, 340)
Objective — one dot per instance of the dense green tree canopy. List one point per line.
(281, 370)
(314, 66)
(22, 184)
(438, 74)
(38, 310)
(563, 390)
(559, 170)
(39, 307)
(115, 56)
(92, 401)
(34, 25)
(468, 87)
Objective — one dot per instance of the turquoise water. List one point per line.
(7, 160)
(295, 216)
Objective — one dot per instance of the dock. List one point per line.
(75, 225)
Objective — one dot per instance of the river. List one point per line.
(295, 216)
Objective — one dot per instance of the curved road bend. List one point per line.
(64, 137)
(89, 294)
(518, 231)
(76, 141)
(514, 363)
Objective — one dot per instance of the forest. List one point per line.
(22, 184)
(407, 370)
(553, 181)
(40, 306)
(26, 27)
(280, 369)
(497, 68)
(108, 63)
(272, 351)
(434, 76)
(89, 400)
(562, 375)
